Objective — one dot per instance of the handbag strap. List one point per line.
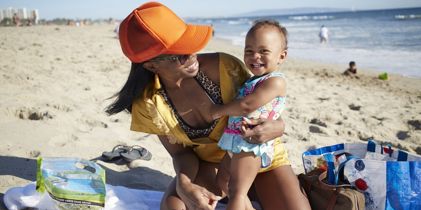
(332, 200)
(336, 190)
(337, 186)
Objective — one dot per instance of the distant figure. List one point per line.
(324, 34)
(116, 28)
(34, 17)
(16, 19)
(352, 69)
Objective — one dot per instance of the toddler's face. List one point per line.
(264, 50)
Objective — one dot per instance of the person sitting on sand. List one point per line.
(352, 70)
(169, 92)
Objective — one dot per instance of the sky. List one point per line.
(119, 9)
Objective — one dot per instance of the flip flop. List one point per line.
(136, 152)
(115, 153)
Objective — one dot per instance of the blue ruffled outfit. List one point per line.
(232, 140)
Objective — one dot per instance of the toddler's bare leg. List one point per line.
(243, 170)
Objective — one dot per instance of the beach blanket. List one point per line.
(118, 198)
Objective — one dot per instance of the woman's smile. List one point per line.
(193, 67)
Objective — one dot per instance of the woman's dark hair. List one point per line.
(273, 23)
(138, 79)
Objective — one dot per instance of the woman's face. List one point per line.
(181, 66)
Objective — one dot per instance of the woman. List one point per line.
(169, 92)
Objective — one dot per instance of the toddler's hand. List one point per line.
(249, 123)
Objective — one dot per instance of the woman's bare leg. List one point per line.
(206, 177)
(170, 200)
(243, 171)
(223, 175)
(279, 189)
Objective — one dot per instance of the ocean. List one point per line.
(379, 40)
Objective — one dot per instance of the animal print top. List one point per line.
(214, 93)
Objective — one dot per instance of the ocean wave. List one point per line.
(407, 17)
(238, 21)
(405, 62)
(315, 17)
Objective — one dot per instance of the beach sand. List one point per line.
(55, 81)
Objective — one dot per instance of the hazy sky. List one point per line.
(50, 9)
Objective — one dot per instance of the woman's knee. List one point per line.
(170, 200)
(280, 189)
(172, 203)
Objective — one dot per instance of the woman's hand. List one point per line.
(257, 131)
(186, 165)
(195, 196)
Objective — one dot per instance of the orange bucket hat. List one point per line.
(153, 29)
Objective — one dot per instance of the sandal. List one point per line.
(136, 152)
(115, 153)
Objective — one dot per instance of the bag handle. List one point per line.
(332, 173)
(330, 161)
(371, 147)
(323, 176)
(336, 189)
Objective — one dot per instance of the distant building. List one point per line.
(23, 14)
(8, 13)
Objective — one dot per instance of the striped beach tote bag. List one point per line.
(389, 178)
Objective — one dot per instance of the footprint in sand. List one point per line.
(32, 114)
(418, 150)
(60, 107)
(318, 122)
(34, 153)
(87, 125)
(354, 107)
(416, 124)
(402, 135)
(315, 129)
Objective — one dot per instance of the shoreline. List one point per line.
(55, 81)
(396, 80)
(372, 71)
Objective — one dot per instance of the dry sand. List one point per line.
(55, 80)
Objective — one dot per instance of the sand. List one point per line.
(55, 81)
